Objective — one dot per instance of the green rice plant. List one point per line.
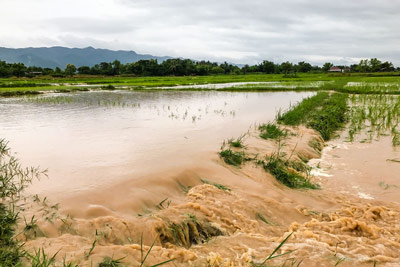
(40, 259)
(110, 262)
(271, 131)
(315, 144)
(69, 264)
(331, 116)
(108, 87)
(263, 219)
(273, 255)
(31, 228)
(164, 204)
(144, 258)
(219, 186)
(232, 157)
(299, 113)
(87, 255)
(396, 139)
(238, 142)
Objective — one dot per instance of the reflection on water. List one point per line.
(90, 139)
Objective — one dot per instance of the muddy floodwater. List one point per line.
(132, 167)
(90, 140)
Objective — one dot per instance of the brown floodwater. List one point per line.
(132, 166)
(90, 140)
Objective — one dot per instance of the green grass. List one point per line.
(110, 262)
(238, 142)
(271, 131)
(280, 168)
(323, 112)
(232, 158)
(301, 112)
(13, 180)
(360, 83)
(330, 117)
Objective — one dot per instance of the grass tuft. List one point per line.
(232, 157)
(271, 131)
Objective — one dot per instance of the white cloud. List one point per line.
(239, 31)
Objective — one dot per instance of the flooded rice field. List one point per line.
(127, 168)
(92, 139)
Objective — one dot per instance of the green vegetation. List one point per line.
(13, 180)
(288, 172)
(301, 112)
(271, 131)
(232, 157)
(323, 112)
(238, 142)
(273, 254)
(189, 232)
(330, 117)
(110, 262)
(374, 116)
(40, 259)
(359, 83)
(219, 186)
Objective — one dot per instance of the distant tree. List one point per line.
(70, 69)
(217, 70)
(116, 67)
(267, 67)
(286, 67)
(375, 65)
(18, 69)
(387, 66)
(84, 70)
(327, 66)
(364, 66)
(303, 67)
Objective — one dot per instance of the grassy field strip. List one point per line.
(359, 83)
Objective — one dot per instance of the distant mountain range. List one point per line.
(51, 57)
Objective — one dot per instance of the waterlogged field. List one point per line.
(127, 134)
(246, 170)
(354, 82)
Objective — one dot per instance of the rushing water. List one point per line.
(92, 139)
(128, 166)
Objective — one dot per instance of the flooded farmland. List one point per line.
(132, 167)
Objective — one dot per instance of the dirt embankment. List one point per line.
(220, 215)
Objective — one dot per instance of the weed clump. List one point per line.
(288, 172)
(271, 131)
(232, 157)
(188, 232)
(108, 87)
(110, 262)
(238, 142)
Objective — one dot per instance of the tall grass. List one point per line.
(13, 180)
(300, 113)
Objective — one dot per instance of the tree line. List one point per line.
(187, 67)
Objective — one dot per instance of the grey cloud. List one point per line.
(240, 31)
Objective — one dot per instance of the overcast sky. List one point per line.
(239, 31)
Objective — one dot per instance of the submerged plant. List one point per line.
(232, 157)
(284, 172)
(219, 186)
